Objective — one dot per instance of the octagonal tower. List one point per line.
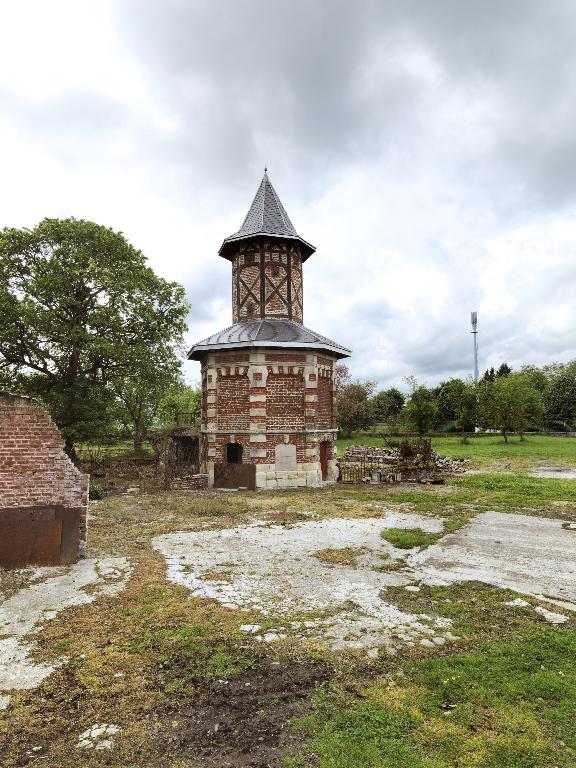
(267, 381)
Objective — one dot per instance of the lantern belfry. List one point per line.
(268, 409)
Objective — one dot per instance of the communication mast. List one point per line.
(474, 319)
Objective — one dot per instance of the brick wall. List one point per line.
(188, 483)
(324, 418)
(233, 411)
(34, 470)
(285, 401)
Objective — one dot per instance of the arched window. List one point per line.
(234, 453)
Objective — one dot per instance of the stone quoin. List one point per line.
(267, 380)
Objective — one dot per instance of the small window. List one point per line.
(275, 270)
(249, 258)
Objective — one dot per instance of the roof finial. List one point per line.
(265, 169)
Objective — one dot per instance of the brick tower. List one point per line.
(267, 381)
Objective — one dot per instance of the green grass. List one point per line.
(519, 490)
(408, 538)
(121, 449)
(534, 448)
(507, 705)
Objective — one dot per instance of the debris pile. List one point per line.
(414, 462)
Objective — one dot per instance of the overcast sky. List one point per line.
(426, 147)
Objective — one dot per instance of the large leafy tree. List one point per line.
(448, 399)
(81, 310)
(139, 399)
(181, 404)
(509, 403)
(354, 409)
(560, 395)
(388, 404)
(422, 408)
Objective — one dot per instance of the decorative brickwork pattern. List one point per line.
(34, 470)
(285, 402)
(266, 280)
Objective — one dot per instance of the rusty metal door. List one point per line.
(235, 476)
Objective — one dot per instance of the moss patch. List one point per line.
(339, 556)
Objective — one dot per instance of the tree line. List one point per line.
(504, 400)
(91, 331)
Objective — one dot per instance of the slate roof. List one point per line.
(266, 217)
(267, 333)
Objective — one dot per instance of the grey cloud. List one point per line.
(468, 105)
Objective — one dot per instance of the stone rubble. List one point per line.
(388, 465)
(98, 737)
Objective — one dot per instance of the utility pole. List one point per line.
(474, 319)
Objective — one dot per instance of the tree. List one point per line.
(421, 409)
(181, 403)
(509, 404)
(448, 398)
(354, 409)
(139, 399)
(560, 394)
(538, 377)
(341, 377)
(387, 405)
(80, 309)
(467, 408)
(489, 375)
(504, 370)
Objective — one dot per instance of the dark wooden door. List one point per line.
(324, 459)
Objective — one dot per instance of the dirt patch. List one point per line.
(243, 721)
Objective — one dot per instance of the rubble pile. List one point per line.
(410, 462)
(449, 463)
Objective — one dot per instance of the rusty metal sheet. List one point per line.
(235, 476)
(70, 534)
(29, 537)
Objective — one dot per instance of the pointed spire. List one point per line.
(266, 216)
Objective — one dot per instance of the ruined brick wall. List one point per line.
(188, 483)
(34, 470)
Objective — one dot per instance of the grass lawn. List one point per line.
(120, 449)
(534, 449)
(189, 689)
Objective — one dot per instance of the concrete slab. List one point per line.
(272, 569)
(26, 611)
(532, 555)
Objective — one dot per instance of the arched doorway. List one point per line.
(234, 453)
(324, 459)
